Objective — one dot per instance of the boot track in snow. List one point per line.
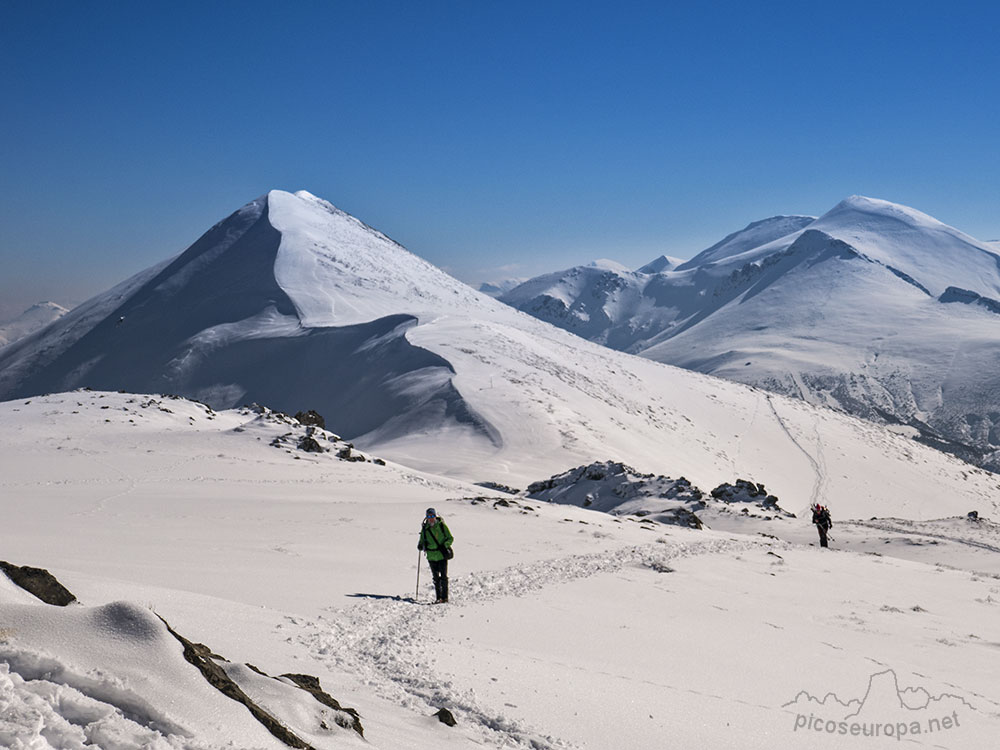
(386, 643)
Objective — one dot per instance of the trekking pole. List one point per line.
(416, 594)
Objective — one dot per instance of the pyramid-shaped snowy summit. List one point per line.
(283, 303)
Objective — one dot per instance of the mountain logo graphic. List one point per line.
(885, 710)
(883, 694)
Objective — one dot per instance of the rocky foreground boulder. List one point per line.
(39, 582)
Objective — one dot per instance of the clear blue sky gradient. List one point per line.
(494, 139)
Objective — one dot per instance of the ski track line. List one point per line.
(385, 642)
(822, 471)
(743, 433)
(895, 529)
(818, 485)
(103, 502)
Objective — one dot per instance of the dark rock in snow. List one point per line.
(498, 487)
(446, 717)
(39, 582)
(201, 657)
(749, 492)
(309, 444)
(311, 418)
(684, 517)
(616, 488)
(345, 454)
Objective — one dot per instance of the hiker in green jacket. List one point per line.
(435, 541)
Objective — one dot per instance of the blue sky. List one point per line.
(493, 139)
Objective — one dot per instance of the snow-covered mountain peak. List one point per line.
(851, 310)
(326, 205)
(882, 209)
(753, 235)
(909, 241)
(660, 265)
(44, 308)
(33, 319)
(339, 271)
(284, 281)
(609, 265)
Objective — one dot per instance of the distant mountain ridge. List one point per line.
(293, 304)
(753, 235)
(661, 264)
(497, 288)
(33, 319)
(874, 308)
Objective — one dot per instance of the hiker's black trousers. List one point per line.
(440, 570)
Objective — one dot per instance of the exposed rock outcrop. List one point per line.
(311, 418)
(446, 717)
(620, 490)
(39, 582)
(311, 685)
(208, 663)
(749, 492)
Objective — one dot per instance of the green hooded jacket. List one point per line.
(433, 538)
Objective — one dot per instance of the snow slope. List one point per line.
(568, 628)
(33, 319)
(82, 675)
(873, 308)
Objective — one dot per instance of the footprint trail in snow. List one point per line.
(388, 643)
